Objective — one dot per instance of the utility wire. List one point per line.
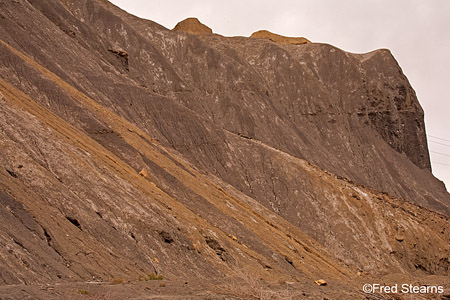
(443, 144)
(439, 153)
(440, 143)
(435, 162)
(438, 138)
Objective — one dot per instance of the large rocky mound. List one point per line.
(247, 166)
(193, 26)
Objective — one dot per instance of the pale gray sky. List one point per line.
(416, 31)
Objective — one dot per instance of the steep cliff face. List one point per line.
(128, 148)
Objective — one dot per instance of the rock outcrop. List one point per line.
(127, 149)
(280, 39)
(193, 26)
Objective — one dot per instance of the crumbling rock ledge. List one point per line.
(280, 39)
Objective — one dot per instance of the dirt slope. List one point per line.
(128, 149)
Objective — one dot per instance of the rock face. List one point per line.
(192, 26)
(264, 34)
(129, 149)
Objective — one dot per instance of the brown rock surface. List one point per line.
(280, 39)
(269, 164)
(193, 26)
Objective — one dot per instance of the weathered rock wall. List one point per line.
(313, 158)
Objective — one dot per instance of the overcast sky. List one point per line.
(416, 31)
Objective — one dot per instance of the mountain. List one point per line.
(229, 167)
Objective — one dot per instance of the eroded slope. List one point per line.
(244, 145)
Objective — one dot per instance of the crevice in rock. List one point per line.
(289, 261)
(166, 237)
(47, 237)
(19, 243)
(74, 222)
(220, 251)
(122, 55)
(11, 173)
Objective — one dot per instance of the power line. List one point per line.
(440, 143)
(443, 144)
(438, 138)
(439, 153)
(435, 162)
